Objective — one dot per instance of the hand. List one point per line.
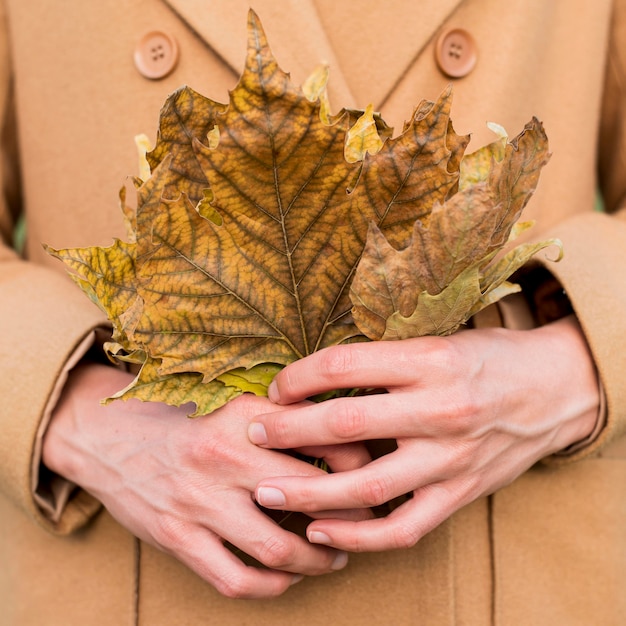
(470, 413)
(185, 485)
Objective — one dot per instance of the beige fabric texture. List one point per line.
(548, 549)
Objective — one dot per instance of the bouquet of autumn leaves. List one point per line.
(267, 228)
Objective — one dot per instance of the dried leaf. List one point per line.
(444, 276)
(185, 115)
(363, 137)
(253, 217)
(254, 380)
(106, 275)
(476, 167)
(177, 389)
(440, 314)
(143, 147)
(314, 89)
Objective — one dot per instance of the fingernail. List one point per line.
(315, 536)
(270, 496)
(257, 434)
(272, 392)
(296, 579)
(341, 560)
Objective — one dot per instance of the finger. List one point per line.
(378, 482)
(342, 420)
(375, 364)
(339, 458)
(203, 552)
(402, 528)
(257, 535)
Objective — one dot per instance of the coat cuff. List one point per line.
(62, 502)
(542, 301)
(594, 245)
(551, 291)
(46, 321)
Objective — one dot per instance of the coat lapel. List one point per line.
(222, 25)
(377, 42)
(305, 33)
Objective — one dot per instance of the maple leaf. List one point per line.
(243, 247)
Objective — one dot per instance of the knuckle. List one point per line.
(168, 531)
(468, 487)
(405, 536)
(335, 361)
(462, 402)
(279, 430)
(444, 354)
(374, 491)
(463, 412)
(233, 587)
(276, 552)
(461, 459)
(202, 449)
(211, 449)
(348, 420)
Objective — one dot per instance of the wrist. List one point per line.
(580, 398)
(88, 383)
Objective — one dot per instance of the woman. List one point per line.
(545, 548)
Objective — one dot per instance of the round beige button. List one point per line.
(156, 55)
(456, 53)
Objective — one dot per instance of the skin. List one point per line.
(470, 413)
(185, 485)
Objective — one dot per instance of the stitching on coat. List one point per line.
(137, 566)
(615, 67)
(492, 558)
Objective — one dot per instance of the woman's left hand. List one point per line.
(469, 412)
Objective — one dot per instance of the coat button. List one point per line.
(456, 53)
(156, 55)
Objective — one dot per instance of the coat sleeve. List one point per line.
(593, 270)
(46, 325)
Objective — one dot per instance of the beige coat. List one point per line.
(548, 549)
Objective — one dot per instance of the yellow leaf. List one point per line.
(363, 137)
(143, 147)
(106, 275)
(476, 167)
(314, 89)
(254, 380)
(176, 390)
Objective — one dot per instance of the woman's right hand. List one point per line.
(186, 485)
